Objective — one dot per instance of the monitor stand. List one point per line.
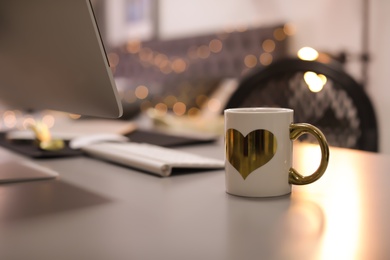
(20, 171)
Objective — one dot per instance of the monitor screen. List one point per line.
(52, 57)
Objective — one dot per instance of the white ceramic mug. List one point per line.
(258, 157)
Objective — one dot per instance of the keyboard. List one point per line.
(151, 158)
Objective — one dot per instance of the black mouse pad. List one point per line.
(28, 148)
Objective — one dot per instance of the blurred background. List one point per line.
(185, 59)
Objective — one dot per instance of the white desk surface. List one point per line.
(97, 210)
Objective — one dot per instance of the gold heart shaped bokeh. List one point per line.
(249, 153)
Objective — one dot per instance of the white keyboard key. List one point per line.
(155, 159)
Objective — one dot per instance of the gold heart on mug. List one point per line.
(249, 153)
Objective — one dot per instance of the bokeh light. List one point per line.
(307, 53)
(141, 92)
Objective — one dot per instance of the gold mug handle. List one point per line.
(296, 130)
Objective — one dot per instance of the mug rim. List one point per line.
(258, 110)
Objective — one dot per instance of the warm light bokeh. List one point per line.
(314, 81)
(339, 199)
(307, 53)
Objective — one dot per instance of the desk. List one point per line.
(97, 210)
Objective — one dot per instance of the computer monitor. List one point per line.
(52, 57)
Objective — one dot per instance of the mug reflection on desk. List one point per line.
(278, 227)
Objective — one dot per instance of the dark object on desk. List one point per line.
(28, 148)
(164, 139)
(342, 109)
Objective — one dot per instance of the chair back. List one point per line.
(342, 109)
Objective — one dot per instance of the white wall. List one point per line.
(327, 25)
(380, 68)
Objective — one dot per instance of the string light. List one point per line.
(268, 45)
(16, 119)
(141, 92)
(179, 108)
(193, 112)
(266, 59)
(289, 29)
(279, 34)
(161, 109)
(167, 64)
(250, 61)
(215, 45)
